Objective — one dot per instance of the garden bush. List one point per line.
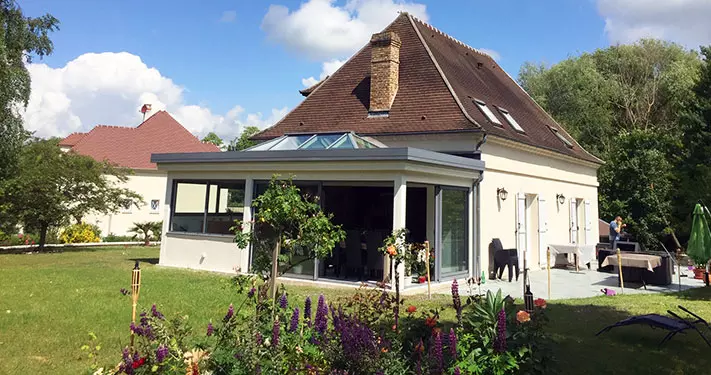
(80, 233)
(355, 335)
(116, 238)
(29, 238)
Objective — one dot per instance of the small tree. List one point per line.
(147, 231)
(51, 186)
(213, 138)
(289, 223)
(397, 248)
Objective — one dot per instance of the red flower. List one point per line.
(33, 242)
(411, 309)
(422, 279)
(540, 302)
(431, 321)
(27, 242)
(139, 363)
(19, 236)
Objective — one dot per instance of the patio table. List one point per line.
(640, 262)
(583, 254)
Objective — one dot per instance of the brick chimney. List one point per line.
(384, 70)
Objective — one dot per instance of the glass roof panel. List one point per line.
(292, 142)
(265, 145)
(321, 141)
(343, 143)
(362, 143)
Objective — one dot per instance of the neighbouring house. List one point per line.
(132, 148)
(416, 130)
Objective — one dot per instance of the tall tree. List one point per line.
(213, 138)
(52, 187)
(243, 142)
(625, 104)
(21, 37)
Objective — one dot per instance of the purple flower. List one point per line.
(358, 342)
(437, 352)
(500, 341)
(321, 321)
(283, 302)
(456, 371)
(275, 334)
(294, 324)
(457, 301)
(124, 291)
(307, 311)
(161, 353)
(210, 329)
(250, 294)
(453, 343)
(230, 313)
(258, 338)
(156, 313)
(127, 362)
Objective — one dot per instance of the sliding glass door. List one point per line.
(452, 232)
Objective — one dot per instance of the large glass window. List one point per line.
(207, 206)
(454, 248)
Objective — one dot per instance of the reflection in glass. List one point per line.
(454, 252)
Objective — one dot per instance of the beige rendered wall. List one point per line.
(199, 251)
(535, 176)
(150, 185)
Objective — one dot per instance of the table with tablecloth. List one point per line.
(634, 260)
(584, 254)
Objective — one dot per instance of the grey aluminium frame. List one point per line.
(439, 276)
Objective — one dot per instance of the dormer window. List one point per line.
(487, 112)
(568, 143)
(511, 120)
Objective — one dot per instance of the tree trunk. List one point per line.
(146, 240)
(397, 296)
(43, 236)
(275, 267)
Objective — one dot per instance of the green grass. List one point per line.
(54, 300)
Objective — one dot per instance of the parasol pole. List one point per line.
(548, 268)
(619, 269)
(427, 263)
(135, 290)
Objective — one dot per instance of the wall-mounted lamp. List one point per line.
(502, 193)
(560, 198)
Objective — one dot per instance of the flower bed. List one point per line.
(361, 334)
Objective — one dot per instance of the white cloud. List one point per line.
(109, 88)
(228, 16)
(321, 29)
(494, 54)
(327, 68)
(681, 21)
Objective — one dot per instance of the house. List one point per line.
(415, 130)
(132, 148)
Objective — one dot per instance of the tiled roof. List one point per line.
(310, 89)
(72, 139)
(132, 147)
(440, 78)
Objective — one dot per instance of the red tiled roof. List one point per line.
(132, 147)
(72, 139)
(430, 63)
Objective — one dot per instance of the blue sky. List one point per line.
(210, 58)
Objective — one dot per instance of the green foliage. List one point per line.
(629, 105)
(213, 138)
(80, 233)
(111, 237)
(296, 228)
(51, 187)
(147, 231)
(21, 37)
(243, 142)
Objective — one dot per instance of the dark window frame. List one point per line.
(206, 207)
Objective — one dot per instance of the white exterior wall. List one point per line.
(201, 251)
(520, 171)
(150, 185)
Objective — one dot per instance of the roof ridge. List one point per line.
(450, 37)
(111, 126)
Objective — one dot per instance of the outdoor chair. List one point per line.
(503, 258)
(674, 324)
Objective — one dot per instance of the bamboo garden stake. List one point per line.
(427, 263)
(135, 290)
(619, 269)
(548, 268)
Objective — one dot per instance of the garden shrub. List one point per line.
(80, 233)
(29, 238)
(116, 238)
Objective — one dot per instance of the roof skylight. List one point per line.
(315, 142)
(487, 112)
(511, 120)
(568, 143)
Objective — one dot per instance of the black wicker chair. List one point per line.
(503, 258)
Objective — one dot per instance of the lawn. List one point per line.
(49, 303)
